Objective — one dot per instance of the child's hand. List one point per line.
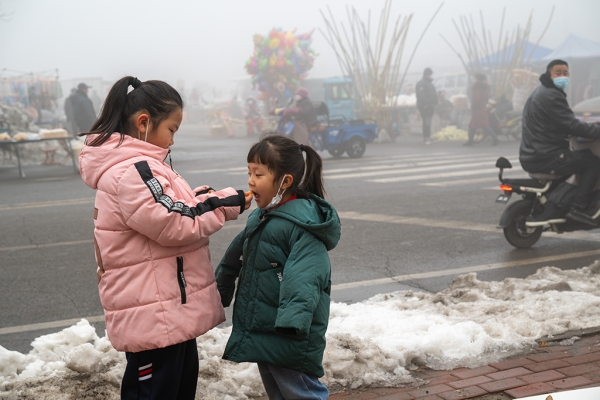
(248, 199)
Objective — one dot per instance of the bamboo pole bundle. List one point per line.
(484, 54)
(372, 60)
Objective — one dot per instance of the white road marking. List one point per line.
(46, 245)
(435, 223)
(410, 170)
(466, 270)
(434, 176)
(48, 325)
(417, 163)
(54, 203)
(461, 182)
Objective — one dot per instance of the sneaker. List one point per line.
(427, 141)
(581, 216)
(552, 214)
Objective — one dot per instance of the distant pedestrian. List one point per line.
(280, 261)
(479, 111)
(155, 279)
(83, 109)
(70, 125)
(427, 99)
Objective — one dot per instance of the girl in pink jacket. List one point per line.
(156, 283)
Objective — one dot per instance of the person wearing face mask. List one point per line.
(282, 268)
(548, 122)
(304, 116)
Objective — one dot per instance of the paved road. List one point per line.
(413, 217)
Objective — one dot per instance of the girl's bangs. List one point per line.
(262, 153)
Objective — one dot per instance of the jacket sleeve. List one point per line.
(564, 118)
(149, 206)
(305, 277)
(229, 269)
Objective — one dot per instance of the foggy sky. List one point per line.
(211, 40)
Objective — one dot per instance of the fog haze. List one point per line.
(210, 41)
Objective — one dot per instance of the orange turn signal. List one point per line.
(506, 188)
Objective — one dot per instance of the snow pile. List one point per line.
(373, 343)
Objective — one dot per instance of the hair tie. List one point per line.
(301, 148)
(136, 83)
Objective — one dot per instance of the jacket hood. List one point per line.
(316, 216)
(94, 161)
(547, 82)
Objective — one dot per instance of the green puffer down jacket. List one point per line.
(281, 308)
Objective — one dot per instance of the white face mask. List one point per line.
(277, 199)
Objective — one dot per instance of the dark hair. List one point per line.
(157, 98)
(555, 62)
(427, 72)
(283, 156)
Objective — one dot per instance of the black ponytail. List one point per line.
(313, 175)
(283, 156)
(157, 98)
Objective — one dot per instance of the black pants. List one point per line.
(426, 116)
(582, 162)
(161, 374)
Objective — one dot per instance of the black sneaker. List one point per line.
(552, 214)
(580, 216)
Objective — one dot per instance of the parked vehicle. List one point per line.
(452, 83)
(536, 194)
(334, 133)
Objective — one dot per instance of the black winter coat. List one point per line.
(548, 121)
(83, 111)
(426, 94)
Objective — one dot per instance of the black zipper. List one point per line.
(181, 279)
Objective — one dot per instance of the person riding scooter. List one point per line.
(548, 122)
(304, 116)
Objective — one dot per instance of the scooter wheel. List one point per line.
(517, 233)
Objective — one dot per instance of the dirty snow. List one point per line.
(373, 343)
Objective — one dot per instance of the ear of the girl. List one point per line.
(141, 122)
(287, 181)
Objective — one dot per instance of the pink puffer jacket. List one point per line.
(151, 233)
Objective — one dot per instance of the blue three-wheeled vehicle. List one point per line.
(335, 134)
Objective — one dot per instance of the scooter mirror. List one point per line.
(503, 163)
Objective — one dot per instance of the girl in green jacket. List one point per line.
(280, 259)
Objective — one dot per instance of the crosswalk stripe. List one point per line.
(459, 182)
(409, 170)
(435, 176)
(404, 164)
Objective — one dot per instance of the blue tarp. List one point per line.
(531, 53)
(574, 47)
